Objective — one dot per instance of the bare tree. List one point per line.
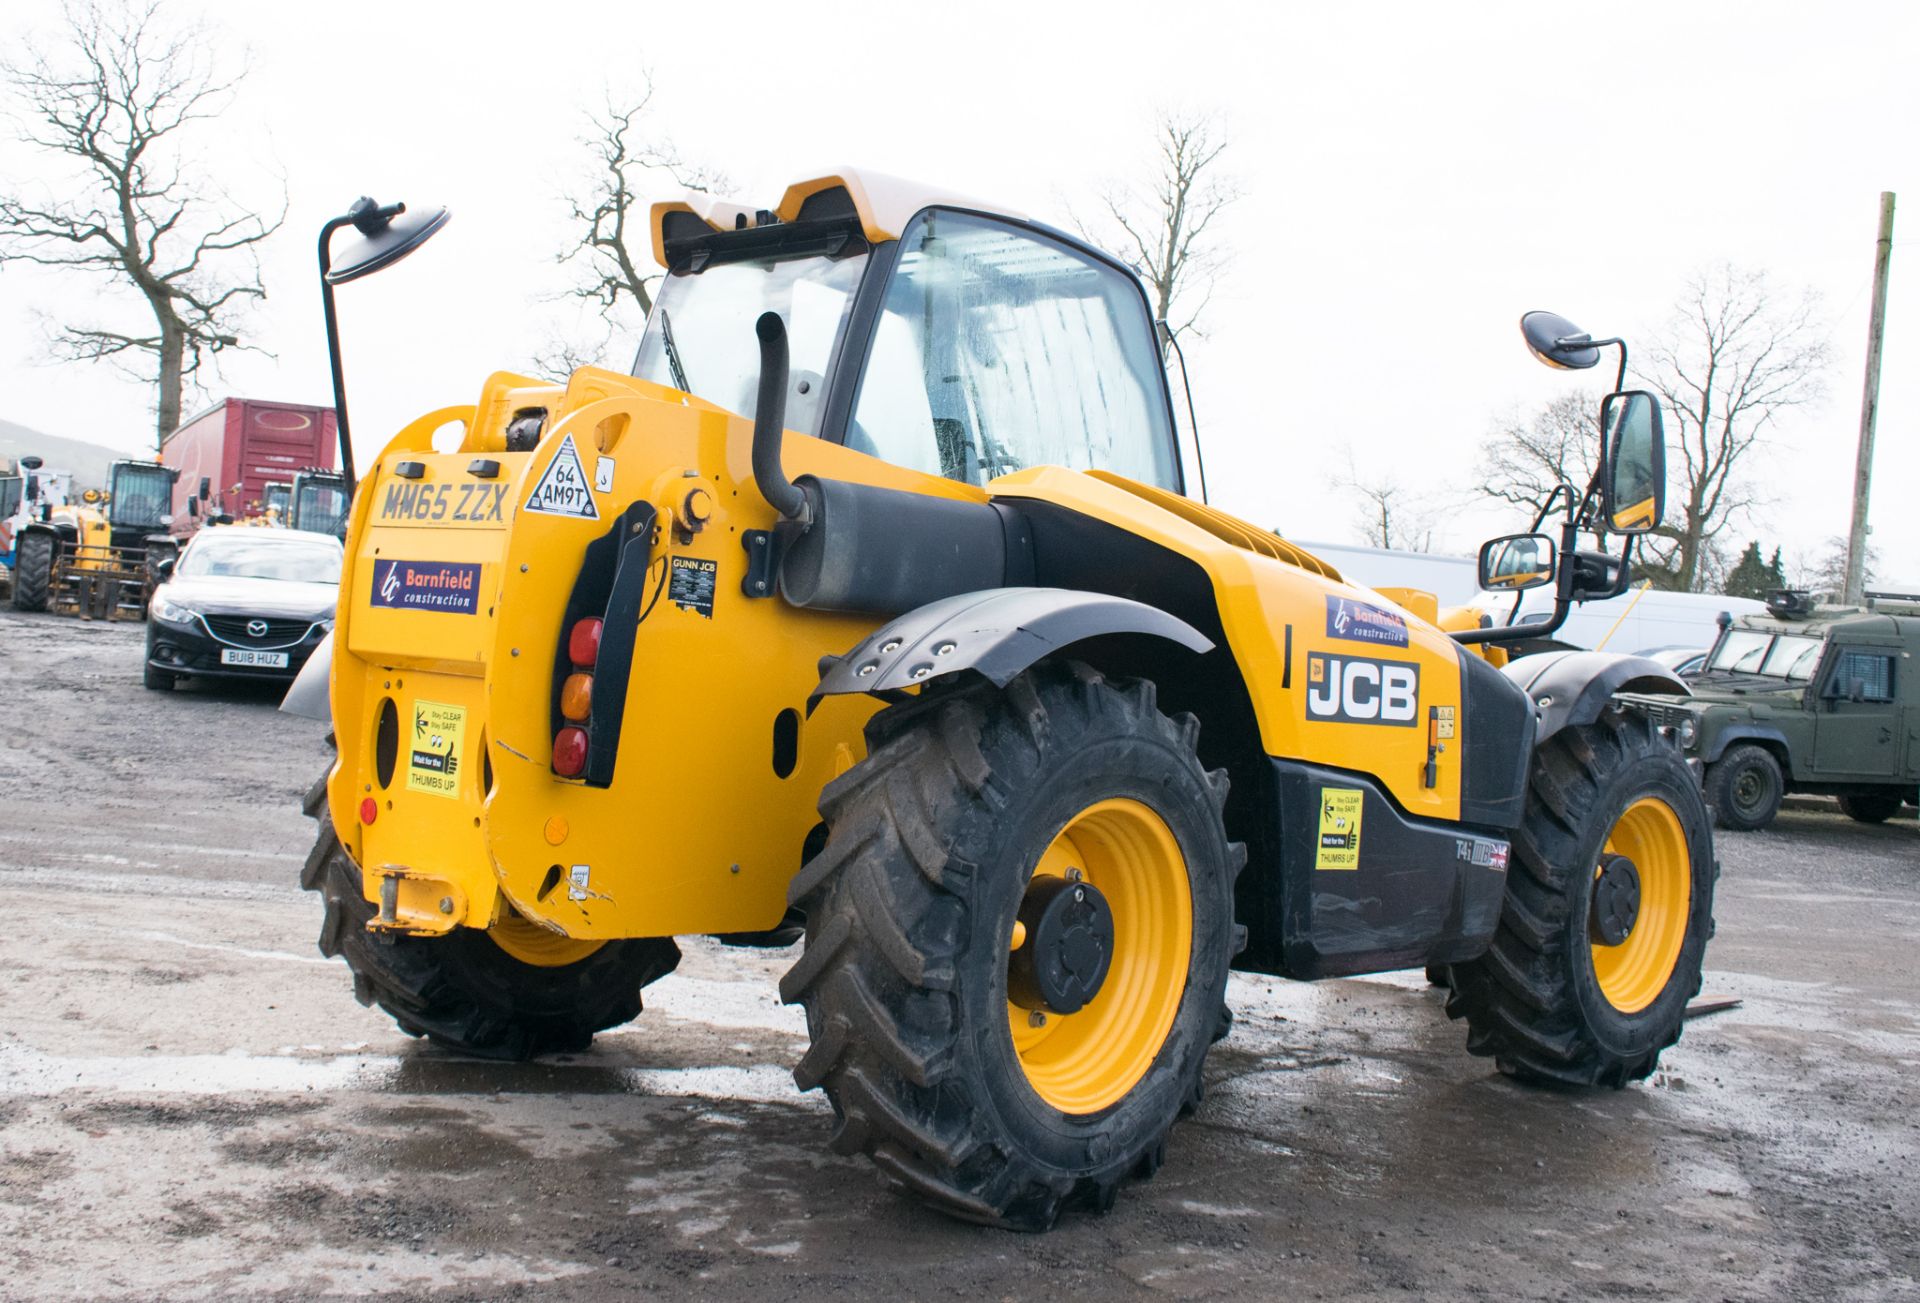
(1526, 458)
(114, 94)
(1389, 514)
(612, 248)
(1825, 574)
(1733, 358)
(1164, 229)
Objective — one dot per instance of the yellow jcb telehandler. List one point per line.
(88, 555)
(879, 611)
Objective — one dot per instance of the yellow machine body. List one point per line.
(698, 833)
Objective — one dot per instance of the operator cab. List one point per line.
(912, 322)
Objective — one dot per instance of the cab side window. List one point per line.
(1866, 675)
(998, 349)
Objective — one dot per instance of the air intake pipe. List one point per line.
(770, 422)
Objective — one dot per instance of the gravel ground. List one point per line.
(193, 1106)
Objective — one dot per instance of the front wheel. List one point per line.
(32, 571)
(1744, 786)
(1608, 911)
(1018, 936)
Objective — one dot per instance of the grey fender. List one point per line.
(308, 695)
(1726, 737)
(1572, 687)
(997, 631)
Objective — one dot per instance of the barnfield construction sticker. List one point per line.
(1340, 811)
(433, 759)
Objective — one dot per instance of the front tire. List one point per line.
(156, 679)
(941, 1064)
(1591, 968)
(507, 997)
(32, 571)
(1744, 787)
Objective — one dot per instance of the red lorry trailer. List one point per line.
(229, 453)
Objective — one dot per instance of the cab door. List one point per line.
(1859, 732)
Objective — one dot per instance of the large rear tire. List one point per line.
(32, 571)
(975, 808)
(1590, 971)
(465, 991)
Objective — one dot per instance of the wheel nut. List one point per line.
(1036, 1019)
(446, 904)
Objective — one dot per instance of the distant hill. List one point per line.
(87, 461)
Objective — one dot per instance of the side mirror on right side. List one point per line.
(193, 505)
(163, 566)
(1517, 562)
(206, 487)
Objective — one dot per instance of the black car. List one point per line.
(242, 603)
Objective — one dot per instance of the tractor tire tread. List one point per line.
(886, 902)
(462, 991)
(1519, 998)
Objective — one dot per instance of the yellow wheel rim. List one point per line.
(1634, 973)
(532, 944)
(1086, 1061)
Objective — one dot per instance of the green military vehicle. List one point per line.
(1806, 698)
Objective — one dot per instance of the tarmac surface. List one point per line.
(192, 1105)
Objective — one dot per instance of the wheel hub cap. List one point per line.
(1616, 901)
(1063, 961)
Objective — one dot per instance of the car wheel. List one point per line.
(1744, 788)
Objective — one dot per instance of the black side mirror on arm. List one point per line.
(1635, 472)
(1517, 562)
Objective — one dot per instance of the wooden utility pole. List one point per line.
(1869, 409)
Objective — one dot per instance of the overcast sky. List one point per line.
(1415, 177)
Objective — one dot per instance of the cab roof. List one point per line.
(883, 204)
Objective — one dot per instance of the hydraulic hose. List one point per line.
(770, 420)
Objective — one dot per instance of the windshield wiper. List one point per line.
(673, 353)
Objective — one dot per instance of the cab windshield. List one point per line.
(700, 338)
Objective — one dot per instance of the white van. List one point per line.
(1641, 619)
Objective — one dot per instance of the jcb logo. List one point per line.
(1360, 690)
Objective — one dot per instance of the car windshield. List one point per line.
(1793, 658)
(230, 555)
(700, 338)
(1742, 650)
(1784, 656)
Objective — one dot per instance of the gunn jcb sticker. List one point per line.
(1362, 690)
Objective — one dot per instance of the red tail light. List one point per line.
(570, 750)
(583, 642)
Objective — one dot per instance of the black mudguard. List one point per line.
(1572, 688)
(999, 632)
